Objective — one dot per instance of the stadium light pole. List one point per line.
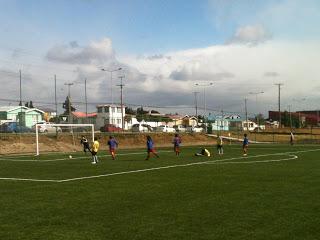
(204, 85)
(121, 85)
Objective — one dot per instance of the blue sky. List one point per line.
(164, 43)
(137, 26)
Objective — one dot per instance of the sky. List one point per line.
(226, 50)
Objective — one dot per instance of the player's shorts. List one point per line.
(219, 146)
(94, 153)
(245, 146)
(151, 150)
(112, 150)
(177, 148)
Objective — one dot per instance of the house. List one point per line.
(109, 114)
(26, 116)
(220, 123)
(83, 118)
(49, 113)
(176, 119)
(189, 121)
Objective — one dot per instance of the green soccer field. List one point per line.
(273, 193)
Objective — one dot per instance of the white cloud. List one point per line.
(72, 53)
(251, 34)
(170, 78)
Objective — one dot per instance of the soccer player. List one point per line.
(113, 144)
(219, 145)
(204, 152)
(94, 151)
(245, 145)
(150, 148)
(85, 144)
(176, 144)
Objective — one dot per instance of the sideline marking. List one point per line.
(220, 161)
(70, 159)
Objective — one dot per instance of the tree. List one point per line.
(129, 110)
(65, 105)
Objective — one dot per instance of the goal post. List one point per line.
(57, 127)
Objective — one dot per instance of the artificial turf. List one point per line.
(214, 200)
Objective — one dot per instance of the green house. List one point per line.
(27, 116)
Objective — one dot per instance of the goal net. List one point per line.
(62, 137)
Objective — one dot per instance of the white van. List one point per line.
(140, 127)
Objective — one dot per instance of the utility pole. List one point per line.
(55, 97)
(196, 104)
(121, 85)
(246, 111)
(86, 100)
(279, 103)
(69, 100)
(20, 104)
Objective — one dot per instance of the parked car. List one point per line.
(196, 129)
(165, 128)
(46, 127)
(139, 127)
(180, 128)
(110, 128)
(14, 127)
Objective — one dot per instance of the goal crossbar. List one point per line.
(61, 125)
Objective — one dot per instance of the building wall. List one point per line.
(109, 115)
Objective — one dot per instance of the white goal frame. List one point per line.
(61, 125)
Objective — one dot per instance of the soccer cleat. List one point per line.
(93, 162)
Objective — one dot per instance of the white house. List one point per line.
(109, 114)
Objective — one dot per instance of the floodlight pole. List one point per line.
(121, 85)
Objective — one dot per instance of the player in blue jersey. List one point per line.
(150, 148)
(176, 144)
(113, 144)
(245, 145)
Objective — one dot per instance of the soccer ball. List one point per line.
(70, 156)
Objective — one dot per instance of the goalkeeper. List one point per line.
(85, 144)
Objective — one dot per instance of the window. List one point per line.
(114, 109)
(99, 109)
(119, 110)
(106, 109)
(119, 121)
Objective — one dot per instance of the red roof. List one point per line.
(83, 114)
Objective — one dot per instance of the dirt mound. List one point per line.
(26, 143)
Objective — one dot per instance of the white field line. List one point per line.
(221, 161)
(70, 159)
(28, 179)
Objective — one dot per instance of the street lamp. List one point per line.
(204, 85)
